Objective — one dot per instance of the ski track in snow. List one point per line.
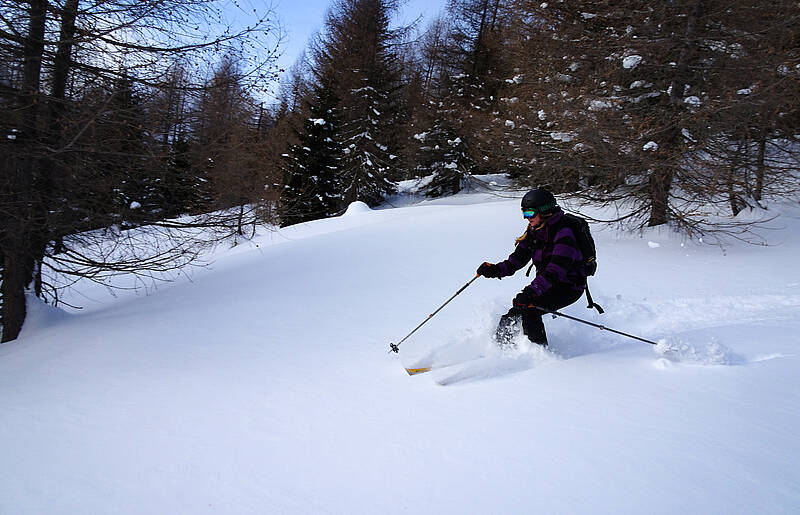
(694, 313)
(471, 355)
(497, 363)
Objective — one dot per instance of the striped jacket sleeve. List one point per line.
(518, 259)
(563, 258)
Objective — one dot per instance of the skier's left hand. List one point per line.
(525, 298)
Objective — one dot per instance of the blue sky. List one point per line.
(301, 18)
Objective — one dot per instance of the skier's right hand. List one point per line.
(489, 270)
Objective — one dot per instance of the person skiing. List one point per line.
(560, 274)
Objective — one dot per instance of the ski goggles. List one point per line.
(530, 213)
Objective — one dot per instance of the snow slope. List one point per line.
(264, 385)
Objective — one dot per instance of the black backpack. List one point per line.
(580, 227)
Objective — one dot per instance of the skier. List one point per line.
(560, 274)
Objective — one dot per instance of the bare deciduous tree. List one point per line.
(74, 69)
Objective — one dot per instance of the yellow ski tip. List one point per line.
(413, 371)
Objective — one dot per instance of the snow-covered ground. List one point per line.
(264, 384)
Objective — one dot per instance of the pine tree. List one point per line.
(357, 50)
(462, 63)
(181, 187)
(311, 188)
(443, 151)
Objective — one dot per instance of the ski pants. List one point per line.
(555, 298)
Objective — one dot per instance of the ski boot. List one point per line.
(508, 328)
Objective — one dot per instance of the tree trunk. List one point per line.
(760, 167)
(478, 53)
(13, 292)
(682, 70)
(661, 178)
(660, 183)
(492, 26)
(240, 221)
(16, 236)
(44, 189)
(734, 198)
(61, 63)
(33, 47)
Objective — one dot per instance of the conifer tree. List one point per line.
(462, 68)
(357, 50)
(443, 151)
(311, 188)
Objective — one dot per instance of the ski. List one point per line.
(423, 369)
(420, 370)
(489, 368)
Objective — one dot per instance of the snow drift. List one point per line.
(264, 385)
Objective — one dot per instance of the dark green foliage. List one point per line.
(358, 52)
(443, 153)
(311, 188)
(182, 188)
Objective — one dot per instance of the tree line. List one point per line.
(676, 111)
(136, 122)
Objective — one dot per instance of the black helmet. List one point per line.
(540, 200)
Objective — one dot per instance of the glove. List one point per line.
(489, 270)
(524, 298)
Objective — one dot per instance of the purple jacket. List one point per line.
(555, 254)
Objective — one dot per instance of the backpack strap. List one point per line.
(591, 302)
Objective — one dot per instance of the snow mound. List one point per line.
(41, 315)
(676, 350)
(356, 208)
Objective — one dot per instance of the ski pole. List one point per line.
(599, 326)
(396, 347)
